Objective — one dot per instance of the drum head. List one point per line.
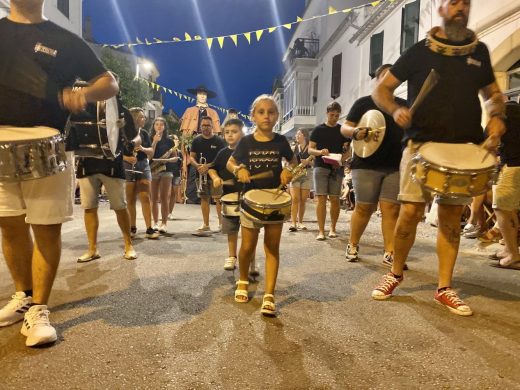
(14, 134)
(368, 146)
(457, 156)
(272, 197)
(232, 197)
(111, 117)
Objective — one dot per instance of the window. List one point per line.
(63, 6)
(151, 114)
(335, 89)
(315, 90)
(376, 52)
(410, 25)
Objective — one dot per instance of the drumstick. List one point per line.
(262, 175)
(134, 171)
(430, 82)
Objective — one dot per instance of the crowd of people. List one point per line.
(251, 167)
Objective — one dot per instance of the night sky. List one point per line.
(238, 75)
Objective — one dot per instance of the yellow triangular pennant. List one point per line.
(169, 91)
(332, 10)
(375, 3)
(176, 93)
(209, 41)
(234, 38)
(299, 20)
(288, 26)
(347, 10)
(259, 34)
(164, 89)
(175, 39)
(148, 43)
(187, 37)
(157, 40)
(271, 29)
(138, 41)
(248, 37)
(198, 37)
(221, 41)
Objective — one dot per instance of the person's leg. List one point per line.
(91, 220)
(410, 214)
(45, 260)
(389, 215)
(359, 221)
(164, 189)
(272, 237)
(334, 212)
(173, 198)
(204, 208)
(123, 220)
(232, 244)
(321, 188)
(448, 240)
(508, 224)
(295, 193)
(143, 186)
(246, 253)
(304, 195)
(155, 199)
(321, 213)
(17, 246)
(335, 182)
(131, 200)
(218, 207)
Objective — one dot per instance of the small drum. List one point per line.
(454, 170)
(230, 205)
(96, 139)
(267, 206)
(30, 153)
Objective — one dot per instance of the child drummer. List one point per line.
(256, 153)
(218, 174)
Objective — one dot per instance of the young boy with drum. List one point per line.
(260, 152)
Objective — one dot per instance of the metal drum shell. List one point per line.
(265, 208)
(230, 205)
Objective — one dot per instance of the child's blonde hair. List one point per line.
(262, 98)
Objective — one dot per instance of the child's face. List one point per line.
(333, 117)
(158, 126)
(265, 115)
(232, 134)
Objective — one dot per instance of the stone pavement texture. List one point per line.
(168, 319)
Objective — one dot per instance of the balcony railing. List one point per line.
(299, 111)
(304, 48)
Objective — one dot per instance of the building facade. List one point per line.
(350, 46)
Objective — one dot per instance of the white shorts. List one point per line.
(46, 201)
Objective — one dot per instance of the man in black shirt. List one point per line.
(39, 64)
(376, 177)
(205, 147)
(326, 139)
(451, 113)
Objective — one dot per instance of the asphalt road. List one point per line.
(168, 319)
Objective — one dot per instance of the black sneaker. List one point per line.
(151, 234)
(388, 259)
(292, 228)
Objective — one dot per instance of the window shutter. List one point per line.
(376, 52)
(335, 89)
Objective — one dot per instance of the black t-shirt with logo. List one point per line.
(330, 138)
(510, 148)
(261, 157)
(451, 112)
(207, 147)
(37, 61)
(220, 166)
(388, 155)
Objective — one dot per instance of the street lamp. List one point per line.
(146, 65)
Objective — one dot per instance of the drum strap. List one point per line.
(275, 216)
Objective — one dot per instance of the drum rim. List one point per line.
(419, 159)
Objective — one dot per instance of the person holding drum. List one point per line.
(39, 63)
(164, 152)
(257, 153)
(204, 149)
(449, 116)
(328, 177)
(375, 177)
(301, 188)
(139, 176)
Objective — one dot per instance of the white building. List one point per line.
(352, 45)
(65, 13)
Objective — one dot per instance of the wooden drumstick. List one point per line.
(430, 82)
(262, 175)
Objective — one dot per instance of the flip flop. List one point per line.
(130, 255)
(515, 265)
(86, 257)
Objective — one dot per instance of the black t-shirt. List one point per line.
(163, 146)
(451, 112)
(220, 166)
(330, 138)
(175, 167)
(388, 155)
(510, 148)
(146, 142)
(301, 154)
(207, 147)
(261, 157)
(36, 62)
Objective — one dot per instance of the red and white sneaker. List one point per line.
(386, 286)
(451, 300)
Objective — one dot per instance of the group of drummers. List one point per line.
(244, 174)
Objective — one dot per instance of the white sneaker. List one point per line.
(15, 309)
(204, 228)
(163, 228)
(230, 263)
(156, 227)
(37, 328)
(171, 217)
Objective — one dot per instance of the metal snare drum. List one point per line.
(454, 170)
(267, 206)
(30, 153)
(231, 204)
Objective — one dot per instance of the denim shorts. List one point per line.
(141, 166)
(371, 186)
(327, 181)
(90, 186)
(176, 181)
(230, 225)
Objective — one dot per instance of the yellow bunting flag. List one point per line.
(170, 91)
(271, 29)
(187, 37)
(175, 39)
(259, 34)
(148, 43)
(198, 37)
(176, 93)
(299, 20)
(234, 38)
(209, 41)
(332, 10)
(164, 89)
(375, 3)
(157, 40)
(138, 41)
(248, 37)
(221, 41)
(347, 10)
(288, 26)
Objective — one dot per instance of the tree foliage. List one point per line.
(133, 93)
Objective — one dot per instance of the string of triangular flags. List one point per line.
(234, 37)
(182, 96)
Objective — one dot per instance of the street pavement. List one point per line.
(168, 319)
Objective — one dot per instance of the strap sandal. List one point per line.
(241, 296)
(130, 254)
(88, 257)
(268, 307)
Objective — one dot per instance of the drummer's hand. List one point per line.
(496, 127)
(243, 176)
(324, 152)
(362, 133)
(202, 168)
(402, 117)
(285, 177)
(130, 159)
(74, 101)
(217, 183)
(491, 143)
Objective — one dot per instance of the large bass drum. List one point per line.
(95, 133)
(30, 153)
